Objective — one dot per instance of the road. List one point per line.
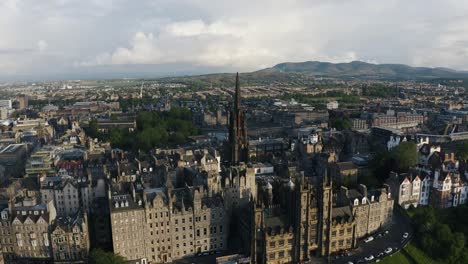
(394, 239)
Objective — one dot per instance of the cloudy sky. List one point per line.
(51, 39)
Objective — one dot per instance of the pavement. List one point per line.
(394, 239)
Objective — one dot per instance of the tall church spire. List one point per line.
(238, 143)
(237, 95)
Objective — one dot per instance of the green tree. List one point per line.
(456, 248)
(437, 237)
(116, 138)
(404, 156)
(99, 256)
(381, 165)
(341, 123)
(462, 151)
(156, 129)
(93, 130)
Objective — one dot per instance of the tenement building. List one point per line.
(70, 241)
(32, 233)
(161, 225)
(128, 227)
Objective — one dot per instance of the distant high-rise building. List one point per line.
(3, 113)
(23, 102)
(237, 148)
(5, 104)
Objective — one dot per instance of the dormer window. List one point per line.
(356, 201)
(364, 200)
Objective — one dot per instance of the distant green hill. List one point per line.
(304, 73)
(359, 69)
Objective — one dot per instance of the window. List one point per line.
(272, 256)
(272, 244)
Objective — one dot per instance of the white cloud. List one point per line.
(198, 27)
(42, 45)
(243, 35)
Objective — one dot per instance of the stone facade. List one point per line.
(167, 224)
(70, 239)
(26, 230)
(292, 223)
(71, 195)
(128, 224)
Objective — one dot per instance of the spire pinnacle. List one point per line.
(237, 94)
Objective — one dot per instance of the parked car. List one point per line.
(369, 258)
(405, 235)
(369, 239)
(388, 250)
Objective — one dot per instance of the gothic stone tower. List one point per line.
(326, 214)
(237, 149)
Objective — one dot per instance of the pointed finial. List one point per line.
(237, 94)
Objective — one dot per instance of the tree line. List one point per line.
(442, 234)
(153, 129)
